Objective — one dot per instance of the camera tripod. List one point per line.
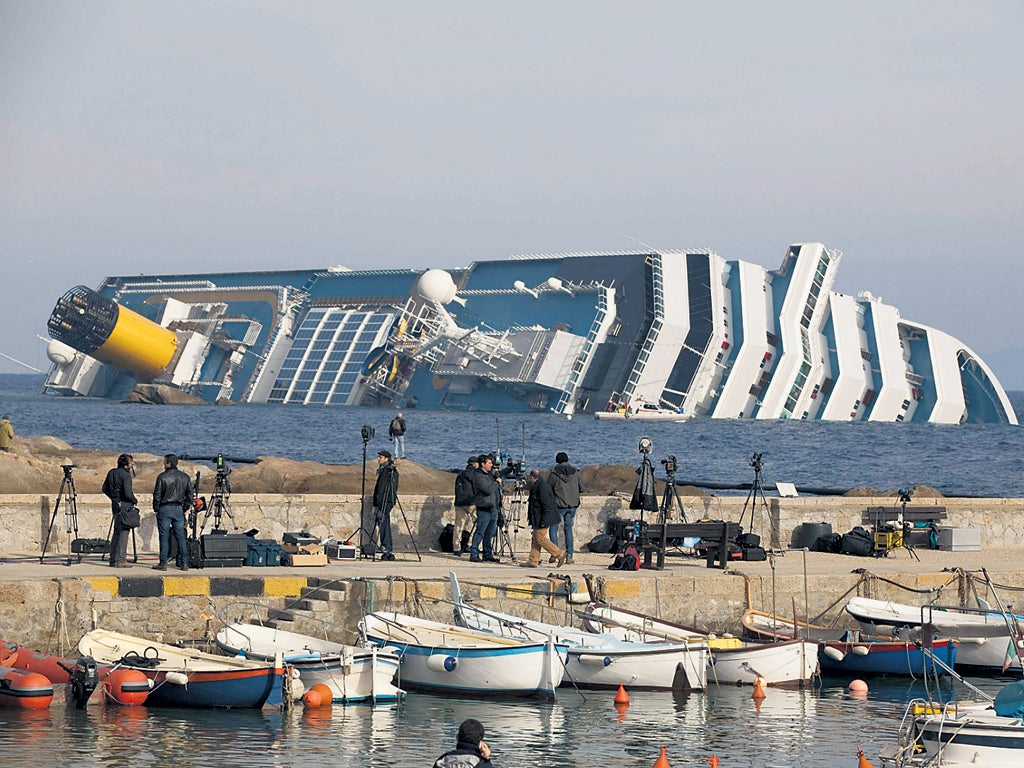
(502, 541)
(68, 495)
(218, 506)
(897, 534)
(756, 493)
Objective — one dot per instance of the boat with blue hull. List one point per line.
(441, 658)
(185, 677)
(849, 651)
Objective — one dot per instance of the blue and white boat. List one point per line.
(352, 673)
(600, 661)
(185, 677)
(442, 658)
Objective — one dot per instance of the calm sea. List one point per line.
(964, 460)
(819, 728)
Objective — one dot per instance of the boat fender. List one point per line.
(834, 653)
(128, 687)
(176, 678)
(594, 660)
(860, 650)
(440, 662)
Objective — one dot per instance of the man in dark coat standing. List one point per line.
(172, 495)
(117, 486)
(541, 513)
(385, 492)
(565, 481)
(487, 489)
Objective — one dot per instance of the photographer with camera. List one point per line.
(564, 480)
(117, 486)
(385, 492)
(487, 500)
(172, 495)
(541, 513)
(463, 503)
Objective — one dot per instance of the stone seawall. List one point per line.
(25, 519)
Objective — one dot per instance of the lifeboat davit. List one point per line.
(24, 690)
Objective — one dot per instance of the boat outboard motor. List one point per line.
(83, 679)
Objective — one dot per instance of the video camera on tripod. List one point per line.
(756, 462)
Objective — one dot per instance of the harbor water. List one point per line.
(963, 460)
(817, 728)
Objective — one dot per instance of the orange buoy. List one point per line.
(24, 690)
(128, 687)
(714, 762)
(662, 761)
(621, 697)
(312, 698)
(622, 709)
(862, 761)
(858, 686)
(326, 694)
(758, 689)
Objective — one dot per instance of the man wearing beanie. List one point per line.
(565, 482)
(471, 751)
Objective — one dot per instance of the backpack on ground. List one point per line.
(602, 543)
(447, 538)
(628, 560)
(857, 542)
(829, 542)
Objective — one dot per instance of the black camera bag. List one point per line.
(857, 542)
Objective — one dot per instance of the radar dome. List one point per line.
(436, 285)
(59, 352)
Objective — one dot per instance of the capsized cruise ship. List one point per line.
(689, 330)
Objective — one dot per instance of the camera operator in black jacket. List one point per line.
(117, 486)
(385, 492)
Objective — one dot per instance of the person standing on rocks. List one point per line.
(541, 513)
(172, 495)
(396, 431)
(6, 433)
(565, 482)
(464, 497)
(117, 486)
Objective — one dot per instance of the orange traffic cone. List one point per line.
(863, 762)
(662, 761)
(621, 697)
(758, 690)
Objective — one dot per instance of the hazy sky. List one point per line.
(195, 136)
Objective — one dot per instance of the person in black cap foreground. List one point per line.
(464, 497)
(385, 492)
(471, 751)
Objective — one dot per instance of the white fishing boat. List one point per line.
(186, 677)
(352, 673)
(640, 410)
(600, 661)
(983, 634)
(790, 663)
(448, 659)
(989, 734)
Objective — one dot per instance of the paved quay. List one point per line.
(44, 604)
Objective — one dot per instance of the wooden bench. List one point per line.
(717, 532)
(883, 518)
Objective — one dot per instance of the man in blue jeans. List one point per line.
(564, 480)
(486, 488)
(172, 495)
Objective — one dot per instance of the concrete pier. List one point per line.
(50, 605)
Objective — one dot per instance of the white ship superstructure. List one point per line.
(684, 331)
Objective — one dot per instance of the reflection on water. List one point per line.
(820, 727)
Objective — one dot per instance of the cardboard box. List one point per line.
(303, 549)
(304, 560)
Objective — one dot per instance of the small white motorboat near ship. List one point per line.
(600, 661)
(641, 410)
(352, 673)
(447, 659)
